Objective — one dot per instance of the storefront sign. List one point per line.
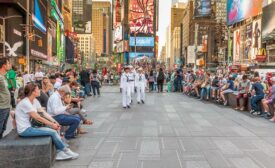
(38, 54)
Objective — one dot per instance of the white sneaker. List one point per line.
(71, 153)
(62, 156)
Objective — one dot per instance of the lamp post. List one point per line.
(4, 30)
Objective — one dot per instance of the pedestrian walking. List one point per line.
(132, 75)
(95, 83)
(5, 98)
(125, 85)
(11, 78)
(140, 83)
(160, 80)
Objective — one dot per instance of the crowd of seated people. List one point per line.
(52, 108)
(259, 90)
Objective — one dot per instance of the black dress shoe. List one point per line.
(128, 107)
(142, 102)
(124, 107)
(138, 102)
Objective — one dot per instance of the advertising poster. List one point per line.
(267, 2)
(268, 20)
(256, 39)
(236, 46)
(248, 41)
(141, 16)
(117, 13)
(118, 33)
(202, 8)
(204, 43)
(238, 10)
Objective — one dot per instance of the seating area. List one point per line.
(15, 151)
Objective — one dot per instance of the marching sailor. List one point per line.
(140, 83)
(132, 81)
(125, 85)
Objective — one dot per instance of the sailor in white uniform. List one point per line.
(132, 81)
(140, 84)
(125, 86)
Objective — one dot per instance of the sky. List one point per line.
(164, 20)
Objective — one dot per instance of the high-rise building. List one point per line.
(87, 46)
(221, 10)
(102, 27)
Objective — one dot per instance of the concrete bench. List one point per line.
(18, 152)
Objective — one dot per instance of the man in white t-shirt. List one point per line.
(27, 78)
(38, 76)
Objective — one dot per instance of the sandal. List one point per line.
(87, 122)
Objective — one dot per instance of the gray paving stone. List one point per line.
(170, 131)
(244, 162)
(149, 150)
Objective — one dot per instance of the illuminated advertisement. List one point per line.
(268, 20)
(117, 13)
(82, 18)
(37, 17)
(256, 39)
(238, 10)
(237, 45)
(142, 41)
(134, 55)
(202, 8)
(141, 16)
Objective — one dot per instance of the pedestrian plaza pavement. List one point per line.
(171, 131)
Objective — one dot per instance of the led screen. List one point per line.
(142, 41)
(238, 10)
(202, 8)
(141, 16)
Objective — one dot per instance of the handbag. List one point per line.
(36, 123)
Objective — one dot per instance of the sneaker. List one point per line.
(225, 103)
(62, 156)
(252, 111)
(69, 152)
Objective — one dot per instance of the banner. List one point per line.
(256, 40)
(248, 42)
(236, 46)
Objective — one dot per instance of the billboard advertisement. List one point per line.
(202, 8)
(248, 41)
(141, 16)
(82, 17)
(257, 38)
(237, 45)
(267, 2)
(118, 33)
(238, 10)
(268, 20)
(137, 56)
(142, 41)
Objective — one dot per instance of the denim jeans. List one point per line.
(203, 90)
(95, 87)
(254, 102)
(4, 116)
(44, 131)
(87, 88)
(68, 120)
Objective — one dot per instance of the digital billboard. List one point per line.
(118, 33)
(142, 41)
(267, 2)
(202, 8)
(141, 16)
(268, 20)
(138, 56)
(248, 41)
(37, 17)
(82, 17)
(238, 10)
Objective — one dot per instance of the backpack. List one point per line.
(161, 76)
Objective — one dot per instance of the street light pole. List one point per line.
(27, 35)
